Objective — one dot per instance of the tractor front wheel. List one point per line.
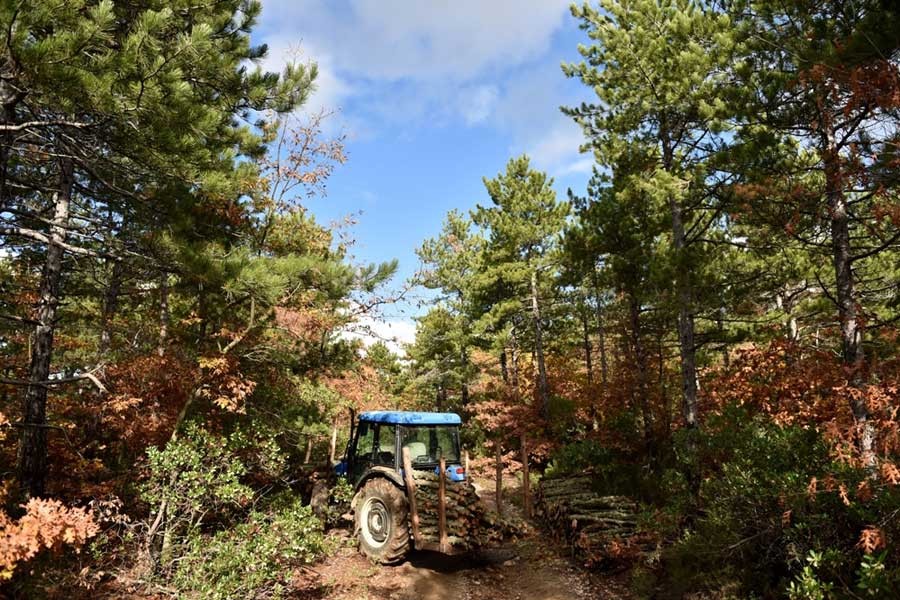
(382, 522)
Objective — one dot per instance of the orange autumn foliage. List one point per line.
(46, 524)
(805, 387)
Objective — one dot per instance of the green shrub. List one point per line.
(253, 559)
(757, 525)
(197, 474)
(614, 470)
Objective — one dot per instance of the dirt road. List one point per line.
(538, 572)
(531, 568)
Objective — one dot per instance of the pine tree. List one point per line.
(656, 68)
(522, 229)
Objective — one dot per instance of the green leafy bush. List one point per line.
(614, 470)
(253, 559)
(197, 474)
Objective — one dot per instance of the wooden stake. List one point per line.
(499, 467)
(526, 481)
(309, 447)
(466, 462)
(442, 506)
(411, 495)
(332, 448)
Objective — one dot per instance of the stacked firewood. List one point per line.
(464, 512)
(601, 529)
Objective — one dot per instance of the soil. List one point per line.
(533, 567)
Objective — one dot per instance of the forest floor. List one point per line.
(533, 567)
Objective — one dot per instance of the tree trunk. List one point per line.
(504, 371)
(852, 353)
(10, 96)
(684, 294)
(498, 465)
(720, 325)
(685, 319)
(441, 397)
(464, 387)
(601, 330)
(543, 388)
(663, 389)
(309, 449)
(586, 342)
(32, 458)
(514, 373)
(163, 314)
(601, 335)
(110, 306)
(640, 358)
(589, 367)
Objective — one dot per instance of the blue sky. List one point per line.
(433, 95)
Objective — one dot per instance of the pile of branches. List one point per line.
(601, 530)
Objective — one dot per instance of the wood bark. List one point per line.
(594, 526)
(601, 333)
(586, 343)
(410, 482)
(32, 452)
(498, 465)
(10, 96)
(442, 505)
(543, 387)
(163, 314)
(526, 479)
(110, 306)
(309, 447)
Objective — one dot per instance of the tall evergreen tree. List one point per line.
(656, 67)
(523, 226)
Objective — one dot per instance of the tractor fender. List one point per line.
(385, 472)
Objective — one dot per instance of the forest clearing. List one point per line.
(633, 264)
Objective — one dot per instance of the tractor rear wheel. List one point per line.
(382, 522)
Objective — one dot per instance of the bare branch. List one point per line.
(37, 236)
(61, 381)
(48, 123)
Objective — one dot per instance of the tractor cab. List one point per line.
(377, 443)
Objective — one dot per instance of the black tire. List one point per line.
(382, 522)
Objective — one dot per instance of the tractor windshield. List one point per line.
(429, 443)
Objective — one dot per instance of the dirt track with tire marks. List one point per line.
(530, 568)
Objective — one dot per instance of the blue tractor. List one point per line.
(384, 505)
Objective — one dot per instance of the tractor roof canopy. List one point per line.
(399, 417)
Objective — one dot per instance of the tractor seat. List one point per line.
(386, 453)
(417, 449)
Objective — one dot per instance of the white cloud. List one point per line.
(330, 90)
(394, 333)
(556, 147)
(579, 166)
(395, 64)
(529, 109)
(477, 103)
(397, 39)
